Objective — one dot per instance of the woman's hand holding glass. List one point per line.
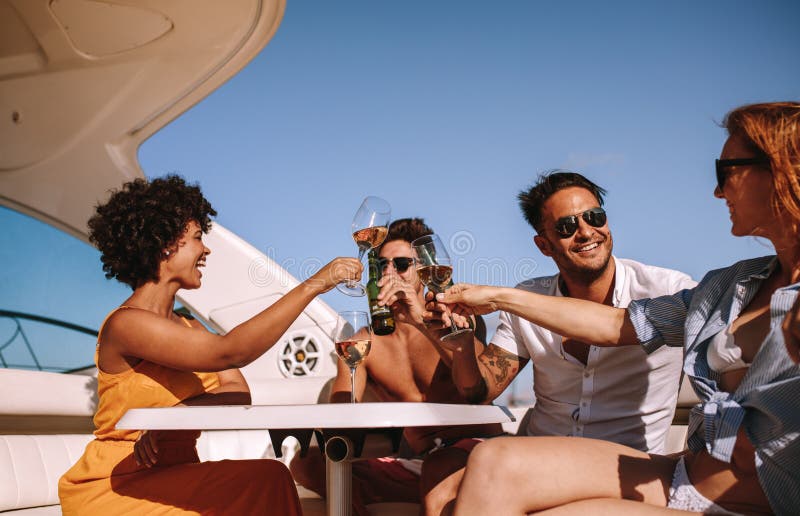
(369, 228)
(335, 272)
(465, 299)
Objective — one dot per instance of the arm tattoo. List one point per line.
(502, 365)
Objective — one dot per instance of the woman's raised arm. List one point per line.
(146, 335)
(585, 321)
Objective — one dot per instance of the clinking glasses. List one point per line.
(401, 263)
(567, 226)
(722, 166)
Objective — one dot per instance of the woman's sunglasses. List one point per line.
(401, 263)
(723, 166)
(567, 226)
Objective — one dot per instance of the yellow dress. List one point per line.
(106, 479)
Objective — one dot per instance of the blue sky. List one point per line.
(447, 109)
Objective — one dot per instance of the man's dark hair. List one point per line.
(143, 220)
(532, 200)
(408, 230)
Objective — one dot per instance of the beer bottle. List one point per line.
(382, 317)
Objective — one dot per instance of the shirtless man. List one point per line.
(401, 367)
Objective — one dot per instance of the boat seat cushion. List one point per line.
(30, 466)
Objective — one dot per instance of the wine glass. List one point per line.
(352, 339)
(370, 226)
(435, 270)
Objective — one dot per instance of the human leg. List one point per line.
(374, 480)
(517, 475)
(441, 476)
(384, 480)
(309, 471)
(261, 486)
(610, 507)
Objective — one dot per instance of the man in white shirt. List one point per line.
(620, 394)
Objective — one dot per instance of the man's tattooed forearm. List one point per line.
(501, 363)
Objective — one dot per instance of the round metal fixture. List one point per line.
(299, 356)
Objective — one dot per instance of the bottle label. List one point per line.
(378, 310)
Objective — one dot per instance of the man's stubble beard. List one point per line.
(587, 275)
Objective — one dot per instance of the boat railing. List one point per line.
(19, 334)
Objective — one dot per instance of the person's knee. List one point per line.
(489, 456)
(272, 468)
(486, 453)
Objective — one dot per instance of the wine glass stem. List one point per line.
(354, 283)
(352, 385)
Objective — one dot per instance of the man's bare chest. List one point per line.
(401, 373)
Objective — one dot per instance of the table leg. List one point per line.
(339, 476)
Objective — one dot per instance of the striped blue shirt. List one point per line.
(767, 401)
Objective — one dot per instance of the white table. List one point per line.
(302, 420)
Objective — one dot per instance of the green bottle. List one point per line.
(382, 317)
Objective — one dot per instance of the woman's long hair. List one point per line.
(773, 130)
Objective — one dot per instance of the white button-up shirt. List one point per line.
(622, 394)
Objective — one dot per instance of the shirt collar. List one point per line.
(619, 282)
(764, 272)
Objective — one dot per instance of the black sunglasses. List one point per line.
(567, 226)
(723, 164)
(401, 263)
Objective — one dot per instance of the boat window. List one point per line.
(53, 296)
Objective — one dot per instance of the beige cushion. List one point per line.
(35, 393)
(30, 466)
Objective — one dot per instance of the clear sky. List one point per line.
(448, 109)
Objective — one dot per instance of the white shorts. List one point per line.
(683, 495)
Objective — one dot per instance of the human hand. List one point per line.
(791, 331)
(438, 316)
(145, 449)
(465, 299)
(402, 297)
(336, 271)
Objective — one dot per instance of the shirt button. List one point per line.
(587, 374)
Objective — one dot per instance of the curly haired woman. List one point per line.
(150, 234)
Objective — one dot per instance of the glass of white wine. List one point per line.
(352, 339)
(435, 270)
(370, 226)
